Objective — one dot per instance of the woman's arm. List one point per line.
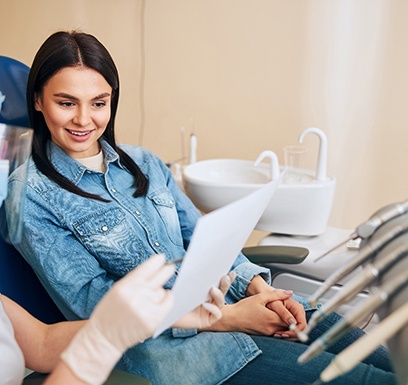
(40, 343)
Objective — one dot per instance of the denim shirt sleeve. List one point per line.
(245, 271)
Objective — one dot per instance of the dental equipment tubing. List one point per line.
(351, 356)
(385, 234)
(368, 228)
(381, 295)
(387, 258)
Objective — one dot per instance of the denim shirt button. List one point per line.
(104, 228)
(137, 212)
(113, 190)
(157, 244)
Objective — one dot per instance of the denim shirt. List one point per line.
(79, 247)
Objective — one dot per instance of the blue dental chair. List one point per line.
(17, 279)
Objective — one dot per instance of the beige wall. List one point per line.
(250, 76)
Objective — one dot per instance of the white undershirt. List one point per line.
(95, 162)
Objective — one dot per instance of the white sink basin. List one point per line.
(296, 209)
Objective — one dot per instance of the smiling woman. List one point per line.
(81, 55)
(75, 104)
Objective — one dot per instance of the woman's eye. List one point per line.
(99, 104)
(66, 104)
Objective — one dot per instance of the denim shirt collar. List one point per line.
(71, 168)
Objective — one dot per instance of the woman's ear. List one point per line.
(37, 102)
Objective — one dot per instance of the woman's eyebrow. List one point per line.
(71, 97)
(65, 96)
(101, 96)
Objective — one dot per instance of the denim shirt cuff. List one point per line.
(245, 272)
(183, 333)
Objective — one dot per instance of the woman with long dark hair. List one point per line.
(95, 210)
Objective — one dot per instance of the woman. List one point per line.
(126, 316)
(103, 209)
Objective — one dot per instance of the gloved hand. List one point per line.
(209, 312)
(128, 314)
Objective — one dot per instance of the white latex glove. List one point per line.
(209, 312)
(128, 314)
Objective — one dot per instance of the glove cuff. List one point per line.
(90, 356)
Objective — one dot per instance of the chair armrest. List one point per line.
(262, 255)
(117, 377)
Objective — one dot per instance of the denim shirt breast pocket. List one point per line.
(165, 206)
(106, 235)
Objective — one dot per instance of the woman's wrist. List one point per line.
(223, 324)
(257, 285)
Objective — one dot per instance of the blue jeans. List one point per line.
(277, 365)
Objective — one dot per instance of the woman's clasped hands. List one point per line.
(265, 311)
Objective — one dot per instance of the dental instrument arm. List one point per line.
(382, 237)
(388, 257)
(372, 224)
(351, 356)
(379, 296)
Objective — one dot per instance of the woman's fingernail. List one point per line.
(285, 335)
(277, 336)
(288, 292)
(292, 321)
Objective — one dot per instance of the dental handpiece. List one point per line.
(382, 237)
(378, 297)
(376, 220)
(387, 258)
(360, 349)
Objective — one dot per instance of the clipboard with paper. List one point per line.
(216, 242)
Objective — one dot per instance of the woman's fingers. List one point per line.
(280, 309)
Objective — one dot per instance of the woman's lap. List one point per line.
(278, 362)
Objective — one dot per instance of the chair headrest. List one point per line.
(13, 84)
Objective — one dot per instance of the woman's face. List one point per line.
(75, 103)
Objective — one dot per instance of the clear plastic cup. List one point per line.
(295, 164)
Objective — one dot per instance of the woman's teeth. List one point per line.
(79, 133)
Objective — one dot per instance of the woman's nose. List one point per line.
(82, 117)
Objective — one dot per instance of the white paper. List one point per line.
(217, 240)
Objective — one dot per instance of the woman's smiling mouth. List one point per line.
(79, 133)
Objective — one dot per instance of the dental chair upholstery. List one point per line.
(19, 282)
(17, 279)
(13, 81)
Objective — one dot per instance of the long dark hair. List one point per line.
(72, 49)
